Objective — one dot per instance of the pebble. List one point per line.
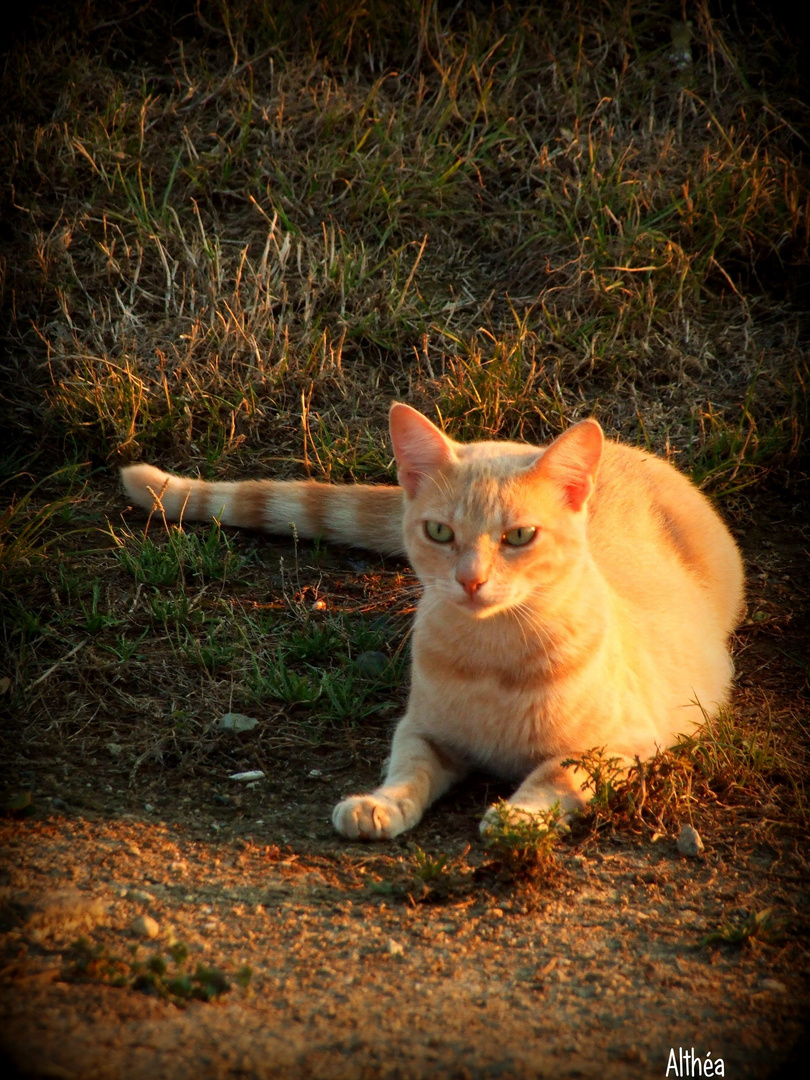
(141, 895)
(145, 926)
(394, 947)
(251, 774)
(236, 721)
(689, 842)
(372, 663)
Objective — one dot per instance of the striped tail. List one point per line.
(360, 515)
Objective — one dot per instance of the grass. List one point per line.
(731, 761)
(229, 242)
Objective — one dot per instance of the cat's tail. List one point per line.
(357, 514)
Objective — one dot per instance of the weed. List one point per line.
(758, 926)
(347, 697)
(166, 977)
(723, 758)
(522, 845)
(93, 620)
(602, 777)
(268, 678)
(125, 649)
(420, 877)
(211, 652)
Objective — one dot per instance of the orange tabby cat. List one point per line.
(575, 597)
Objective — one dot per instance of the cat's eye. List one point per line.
(520, 536)
(438, 531)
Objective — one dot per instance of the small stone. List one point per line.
(394, 947)
(689, 842)
(251, 774)
(236, 721)
(145, 926)
(141, 895)
(373, 664)
(114, 748)
(774, 985)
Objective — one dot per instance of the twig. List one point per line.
(53, 667)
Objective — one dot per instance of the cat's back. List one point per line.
(650, 528)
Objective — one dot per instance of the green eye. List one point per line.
(520, 536)
(439, 532)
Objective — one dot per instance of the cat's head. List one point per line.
(489, 524)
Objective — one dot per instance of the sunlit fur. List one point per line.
(608, 629)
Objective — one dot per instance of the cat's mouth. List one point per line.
(478, 605)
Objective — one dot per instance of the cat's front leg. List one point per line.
(547, 784)
(419, 771)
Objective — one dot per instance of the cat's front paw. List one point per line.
(373, 817)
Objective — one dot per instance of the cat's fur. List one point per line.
(608, 629)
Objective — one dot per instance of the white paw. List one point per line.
(373, 817)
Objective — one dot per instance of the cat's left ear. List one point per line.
(572, 461)
(419, 447)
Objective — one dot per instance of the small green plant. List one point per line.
(165, 976)
(429, 868)
(758, 926)
(313, 642)
(125, 649)
(267, 678)
(521, 844)
(347, 697)
(420, 877)
(600, 776)
(212, 651)
(94, 620)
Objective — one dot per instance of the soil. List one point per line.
(361, 968)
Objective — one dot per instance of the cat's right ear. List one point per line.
(572, 461)
(419, 447)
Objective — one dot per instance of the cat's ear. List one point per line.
(572, 460)
(419, 447)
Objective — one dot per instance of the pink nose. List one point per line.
(471, 584)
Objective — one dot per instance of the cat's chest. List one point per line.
(488, 700)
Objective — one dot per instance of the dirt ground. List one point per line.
(355, 972)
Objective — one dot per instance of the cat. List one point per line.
(575, 597)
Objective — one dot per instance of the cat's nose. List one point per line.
(471, 583)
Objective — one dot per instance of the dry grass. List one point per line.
(234, 232)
